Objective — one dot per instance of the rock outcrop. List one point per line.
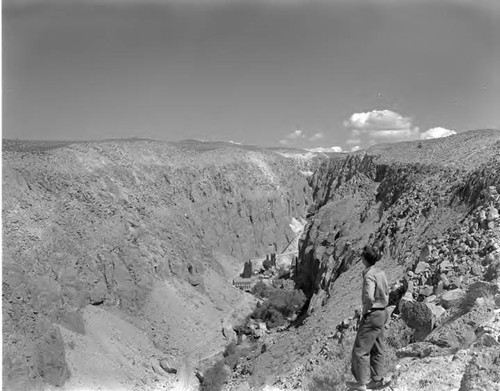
(153, 231)
(431, 209)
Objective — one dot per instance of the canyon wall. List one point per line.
(148, 232)
(431, 209)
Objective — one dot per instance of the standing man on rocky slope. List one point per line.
(368, 351)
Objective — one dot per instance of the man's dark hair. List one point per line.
(370, 255)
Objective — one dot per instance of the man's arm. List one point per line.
(369, 291)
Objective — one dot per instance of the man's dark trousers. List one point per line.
(368, 351)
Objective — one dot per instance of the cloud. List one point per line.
(378, 120)
(325, 149)
(380, 126)
(317, 136)
(436, 133)
(292, 137)
(356, 148)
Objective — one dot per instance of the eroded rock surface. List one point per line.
(430, 209)
(152, 230)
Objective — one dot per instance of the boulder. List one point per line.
(425, 254)
(461, 332)
(421, 267)
(422, 317)
(452, 298)
(476, 270)
(492, 213)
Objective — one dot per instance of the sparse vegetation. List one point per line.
(332, 371)
(214, 378)
(279, 306)
(476, 291)
(263, 290)
(398, 335)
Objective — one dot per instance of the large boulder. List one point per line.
(460, 333)
(422, 317)
(452, 298)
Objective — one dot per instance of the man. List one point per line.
(368, 350)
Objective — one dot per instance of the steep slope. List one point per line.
(128, 248)
(431, 208)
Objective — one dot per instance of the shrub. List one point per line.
(214, 378)
(230, 349)
(477, 290)
(261, 289)
(267, 264)
(232, 354)
(398, 334)
(280, 305)
(270, 315)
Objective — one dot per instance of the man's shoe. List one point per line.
(356, 386)
(376, 384)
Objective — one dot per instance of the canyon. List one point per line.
(118, 258)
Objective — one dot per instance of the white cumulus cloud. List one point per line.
(326, 149)
(436, 133)
(380, 126)
(378, 120)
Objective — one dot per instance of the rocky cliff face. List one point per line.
(150, 233)
(397, 198)
(431, 208)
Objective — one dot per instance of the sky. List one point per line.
(333, 75)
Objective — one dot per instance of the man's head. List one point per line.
(369, 256)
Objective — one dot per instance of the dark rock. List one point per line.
(422, 317)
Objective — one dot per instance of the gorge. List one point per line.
(118, 258)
